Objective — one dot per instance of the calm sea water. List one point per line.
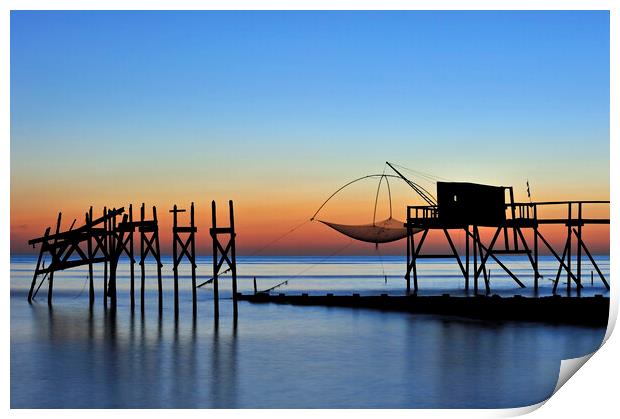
(284, 356)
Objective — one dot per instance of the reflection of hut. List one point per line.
(461, 203)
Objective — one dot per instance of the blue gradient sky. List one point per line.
(277, 109)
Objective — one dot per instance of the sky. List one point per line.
(276, 110)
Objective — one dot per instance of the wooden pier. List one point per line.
(106, 239)
(587, 311)
(469, 207)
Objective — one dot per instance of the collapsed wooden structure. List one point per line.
(107, 238)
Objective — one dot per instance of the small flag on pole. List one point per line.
(527, 182)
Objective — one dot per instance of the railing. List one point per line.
(522, 211)
(423, 212)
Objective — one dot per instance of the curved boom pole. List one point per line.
(347, 184)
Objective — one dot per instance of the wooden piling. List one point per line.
(183, 247)
(223, 251)
(174, 261)
(131, 259)
(193, 261)
(569, 241)
(91, 284)
(407, 273)
(580, 221)
(467, 258)
(55, 259)
(233, 256)
(216, 296)
(149, 246)
(106, 241)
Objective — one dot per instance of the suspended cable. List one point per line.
(303, 271)
(420, 173)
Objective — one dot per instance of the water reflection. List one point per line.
(279, 356)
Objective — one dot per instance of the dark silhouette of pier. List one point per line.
(457, 206)
(107, 238)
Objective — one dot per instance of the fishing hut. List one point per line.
(468, 207)
(461, 207)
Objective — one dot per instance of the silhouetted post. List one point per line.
(409, 251)
(91, 284)
(512, 205)
(50, 289)
(216, 295)
(116, 248)
(223, 252)
(414, 263)
(474, 230)
(174, 260)
(149, 245)
(158, 259)
(131, 259)
(193, 259)
(36, 270)
(483, 267)
(106, 225)
(255, 287)
(569, 240)
(536, 270)
(233, 266)
(142, 257)
(113, 259)
(467, 258)
(180, 248)
(579, 216)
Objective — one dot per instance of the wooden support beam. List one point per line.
(132, 262)
(91, 284)
(414, 266)
(36, 270)
(553, 252)
(193, 259)
(233, 256)
(557, 276)
(104, 248)
(223, 254)
(455, 254)
(467, 258)
(585, 249)
(216, 297)
(184, 247)
(483, 266)
(569, 244)
(175, 261)
(50, 289)
(499, 262)
(579, 227)
(409, 251)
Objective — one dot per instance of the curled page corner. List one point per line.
(568, 367)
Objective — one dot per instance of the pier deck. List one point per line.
(587, 311)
